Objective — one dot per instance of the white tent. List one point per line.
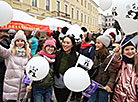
(54, 22)
(21, 16)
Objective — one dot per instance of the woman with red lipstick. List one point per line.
(65, 59)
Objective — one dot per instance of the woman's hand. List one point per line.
(28, 88)
(117, 51)
(107, 88)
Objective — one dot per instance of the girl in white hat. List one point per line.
(16, 57)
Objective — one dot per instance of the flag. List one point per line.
(91, 89)
(33, 32)
(26, 80)
(134, 40)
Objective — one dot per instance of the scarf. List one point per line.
(46, 54)
(84, 46)
(20, 52)
(128, 60)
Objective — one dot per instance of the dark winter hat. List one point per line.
(112, 34)
(128, 44)
(105, 40)
(83, 29)
(71, 36)
(11, 31)
(64, 30)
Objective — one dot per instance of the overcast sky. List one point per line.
(101, 11)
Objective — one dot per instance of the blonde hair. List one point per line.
(27, 49)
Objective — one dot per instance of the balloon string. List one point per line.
(25, 97)
(114, 54)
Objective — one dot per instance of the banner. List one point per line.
(17, 25)
(84, 62)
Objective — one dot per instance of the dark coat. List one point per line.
(104, 77)
(71, 61)
(88, 52)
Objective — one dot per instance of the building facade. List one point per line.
(81, 12)
(109, 21)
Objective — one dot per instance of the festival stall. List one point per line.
(23, 21)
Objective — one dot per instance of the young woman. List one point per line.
(65, 59)
(126, 87)
(15, 59)
(105, 78)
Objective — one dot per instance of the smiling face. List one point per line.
(98, 44)
(129, 51)
(20, 43)
(50, 49)
(67, 44)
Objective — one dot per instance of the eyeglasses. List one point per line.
(50, 46)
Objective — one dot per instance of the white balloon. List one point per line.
(118, 36)
(126, 13)
(37, 68)
(76, 79)
(105, 4)
(6, 13)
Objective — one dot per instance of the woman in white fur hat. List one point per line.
(16, 57)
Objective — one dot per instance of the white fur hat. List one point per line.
(20, 35)
(105, 40)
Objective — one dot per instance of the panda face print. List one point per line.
(132, 11)
(33, 71)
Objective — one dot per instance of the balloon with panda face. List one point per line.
(37, 68)
(126, 13)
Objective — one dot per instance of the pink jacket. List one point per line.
(126, 80)
(13, 89)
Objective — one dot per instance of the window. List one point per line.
(88, 20)
(34, 3)
(82, 2)
(72, 12)
(66, 9)
(58, 7)
(77, 14)
(85, 3)
(81, 17)
(47, 5)
(85, 18)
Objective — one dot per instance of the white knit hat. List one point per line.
(20, 35)
(105, 40)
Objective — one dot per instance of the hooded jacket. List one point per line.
(13, 88)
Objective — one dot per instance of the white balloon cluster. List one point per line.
(126, 13)
(6, 13)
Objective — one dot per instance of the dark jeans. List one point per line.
(99, 96)
(61, 94)
(11, 101)
(39, 93)
(1, 91)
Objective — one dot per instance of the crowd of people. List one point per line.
(120, 80)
